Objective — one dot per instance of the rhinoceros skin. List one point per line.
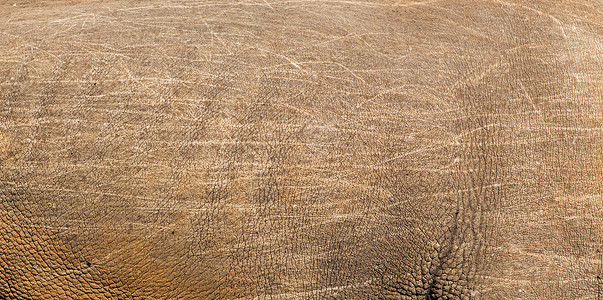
(301, 149)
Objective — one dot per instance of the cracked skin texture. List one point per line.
(301, 149)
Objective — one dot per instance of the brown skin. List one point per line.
(301, 150)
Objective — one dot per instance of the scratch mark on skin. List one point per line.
(360, 38)
(456, 139)
(426, 3)
(29, 45)
(340, 65)
(62, 31)
(154, 7)
(434, 147)
(96, 51)
(525, 92)
(100, 193)
(84, 23)
(404, 88)
(365, 4)
(537, 11)
(315, 291)
(424, 149)
(9, 19)
(450, 21)
(290, 60)
(268, 4)
(214, 35)
(475, 78)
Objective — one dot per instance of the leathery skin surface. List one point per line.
(301, 149)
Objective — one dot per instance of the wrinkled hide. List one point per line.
(301, 149)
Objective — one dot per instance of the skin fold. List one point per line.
(301, 149)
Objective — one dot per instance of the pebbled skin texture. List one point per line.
(301, 149)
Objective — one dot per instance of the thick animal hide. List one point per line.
(301, 149)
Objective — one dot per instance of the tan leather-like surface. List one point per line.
(301, 149)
